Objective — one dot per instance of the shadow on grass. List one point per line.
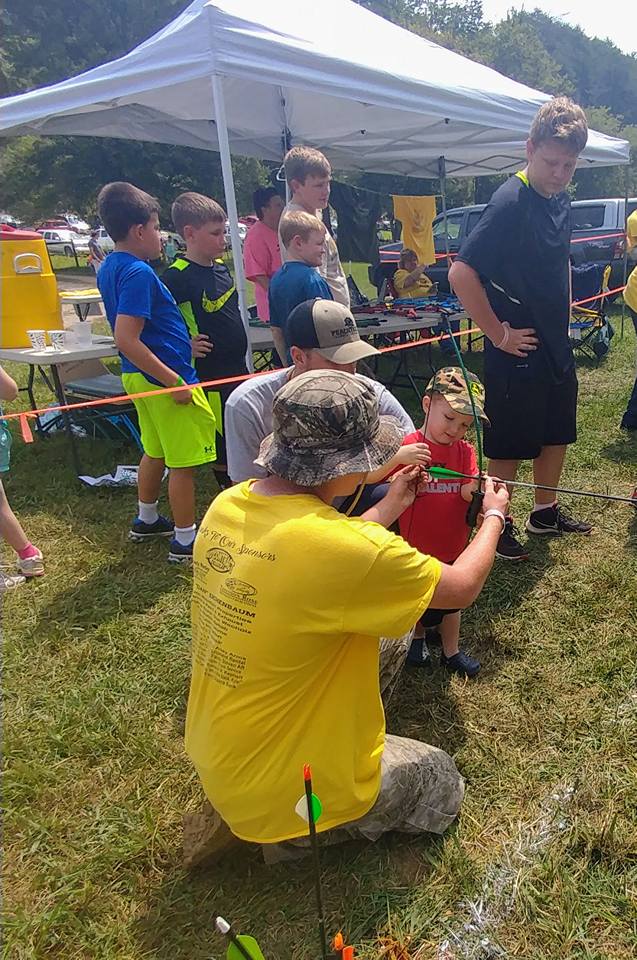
(361, 881)
(110, 591)
(622, 451)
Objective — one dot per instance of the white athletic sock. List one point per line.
(147, 512)
(185, 535)
(543, 506)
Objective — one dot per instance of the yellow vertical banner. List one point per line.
(416, 215)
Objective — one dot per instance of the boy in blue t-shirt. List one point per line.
(298, 280)
(178, 429)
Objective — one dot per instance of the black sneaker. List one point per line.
(139, 531)
(418, 654)
(553, 522)
(460, 663)
(509, 547)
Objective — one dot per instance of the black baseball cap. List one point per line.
(329, 328)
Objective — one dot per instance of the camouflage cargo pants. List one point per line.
(420, 791)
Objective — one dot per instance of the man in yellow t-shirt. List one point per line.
(629, 420)
(289, 601)
(410, 280)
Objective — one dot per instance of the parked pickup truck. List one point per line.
(597, 237)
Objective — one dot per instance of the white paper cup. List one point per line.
(37, 339)
(58, 339)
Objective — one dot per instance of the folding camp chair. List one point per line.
(590, 331)
(356, 296)
(116, 421)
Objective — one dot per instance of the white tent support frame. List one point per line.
(231, 205)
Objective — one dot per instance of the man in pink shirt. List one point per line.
(261, 254)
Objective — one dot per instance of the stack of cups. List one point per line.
(79, 334)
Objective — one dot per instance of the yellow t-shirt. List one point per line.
(419, 289)
(630, 293)
(290, 598)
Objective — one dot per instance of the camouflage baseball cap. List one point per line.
(450, 383)
(326, 425)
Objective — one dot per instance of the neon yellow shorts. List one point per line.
(181, 435)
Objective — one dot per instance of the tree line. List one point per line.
(43, 43)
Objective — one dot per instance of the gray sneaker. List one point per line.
(9, 581)
(32, 566)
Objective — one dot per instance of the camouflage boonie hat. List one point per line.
(325, 425)
(450, 383)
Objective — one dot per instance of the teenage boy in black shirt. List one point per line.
(512, 275)
(205, 293)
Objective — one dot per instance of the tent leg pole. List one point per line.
(231, 204)
(442, 177)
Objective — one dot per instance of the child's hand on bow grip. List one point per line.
(414, 455)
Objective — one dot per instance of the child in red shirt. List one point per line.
(436, 522)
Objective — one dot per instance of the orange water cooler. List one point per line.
(29, 298)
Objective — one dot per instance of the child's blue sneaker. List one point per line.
(179, 553)
(418, 654)
(460, 663)
(139, 531)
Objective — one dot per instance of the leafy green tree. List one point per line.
(43, 43)
(43, 176)
(515, 50)
(608, 181)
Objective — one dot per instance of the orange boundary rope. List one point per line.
(598, 296)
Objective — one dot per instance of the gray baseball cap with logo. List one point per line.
(326, 425)
(329, 328)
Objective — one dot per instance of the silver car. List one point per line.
(65, 242)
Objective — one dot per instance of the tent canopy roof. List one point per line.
(370, 94)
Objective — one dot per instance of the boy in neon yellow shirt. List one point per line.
(205, 293)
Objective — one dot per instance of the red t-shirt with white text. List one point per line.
(436, 522)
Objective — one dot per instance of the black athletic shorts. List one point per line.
(433, 618)
(528, 411)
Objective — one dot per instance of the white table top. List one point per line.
(101, 347)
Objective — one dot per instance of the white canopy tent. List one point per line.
(254, 77)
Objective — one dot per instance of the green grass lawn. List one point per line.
(96, 679)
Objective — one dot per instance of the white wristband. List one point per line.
(496, 513)
(505, 337)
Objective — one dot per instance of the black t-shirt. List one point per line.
(209, 304)
(520, 248)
